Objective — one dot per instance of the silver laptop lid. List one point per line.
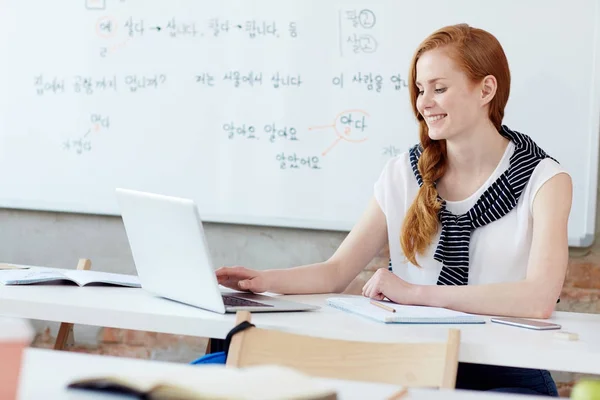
(169, 248)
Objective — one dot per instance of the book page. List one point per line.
(83, 277)
(31, 275)
(113, 383)
(266, 382)
(4, 266)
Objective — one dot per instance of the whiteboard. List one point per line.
(272, 112)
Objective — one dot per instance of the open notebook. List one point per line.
(33, 275)
(404, 314)
(4, 266)
(264, 382)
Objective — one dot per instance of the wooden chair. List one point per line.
(404, 364)
(65, 331)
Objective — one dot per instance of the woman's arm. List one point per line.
(534, 297)
(363, 242)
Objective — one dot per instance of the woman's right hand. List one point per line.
(241, 278)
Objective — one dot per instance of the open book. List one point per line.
(34, 275)
(403, 314)
(13, 266)
(268, 382)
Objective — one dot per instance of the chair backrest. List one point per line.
(405, 364)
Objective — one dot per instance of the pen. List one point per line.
(378, 304)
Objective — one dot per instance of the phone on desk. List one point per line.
(526, 323)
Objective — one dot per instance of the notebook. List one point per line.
(13, 266)
(404, 314)
(264, 382)
(35, 275)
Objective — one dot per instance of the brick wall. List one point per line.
(581, 293)
(134, 344)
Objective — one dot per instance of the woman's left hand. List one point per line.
(384, 284)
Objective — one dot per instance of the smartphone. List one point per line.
(527, 323)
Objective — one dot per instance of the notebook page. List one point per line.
(83, 277)
(31, 275)
(409, 314)
(4, 266)
(423, 311)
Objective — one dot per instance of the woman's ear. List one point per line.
(488, 89)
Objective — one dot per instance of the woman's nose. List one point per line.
(425, 101)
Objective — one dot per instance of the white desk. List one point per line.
(135, 309)
(37, 383)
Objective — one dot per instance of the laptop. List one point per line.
(172, 258)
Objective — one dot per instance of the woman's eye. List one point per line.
(438, 91)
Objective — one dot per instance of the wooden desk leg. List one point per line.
(65, 332)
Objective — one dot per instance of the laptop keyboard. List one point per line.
(233, 301)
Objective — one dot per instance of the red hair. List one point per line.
(478, 54)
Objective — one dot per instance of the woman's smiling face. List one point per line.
(448, 101)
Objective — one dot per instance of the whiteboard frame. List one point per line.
(593, 145)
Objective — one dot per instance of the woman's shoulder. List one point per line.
(547, 166)
(546, 169)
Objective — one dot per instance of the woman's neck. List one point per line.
(476, 153)
(472, 158)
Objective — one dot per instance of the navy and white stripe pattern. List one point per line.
(501, 197)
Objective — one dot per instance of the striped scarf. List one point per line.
(501, 197)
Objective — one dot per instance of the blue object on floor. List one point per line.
(213, 358)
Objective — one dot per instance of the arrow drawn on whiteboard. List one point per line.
(349, 125)
(84, 144)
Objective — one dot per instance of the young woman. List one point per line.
(475, 214)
